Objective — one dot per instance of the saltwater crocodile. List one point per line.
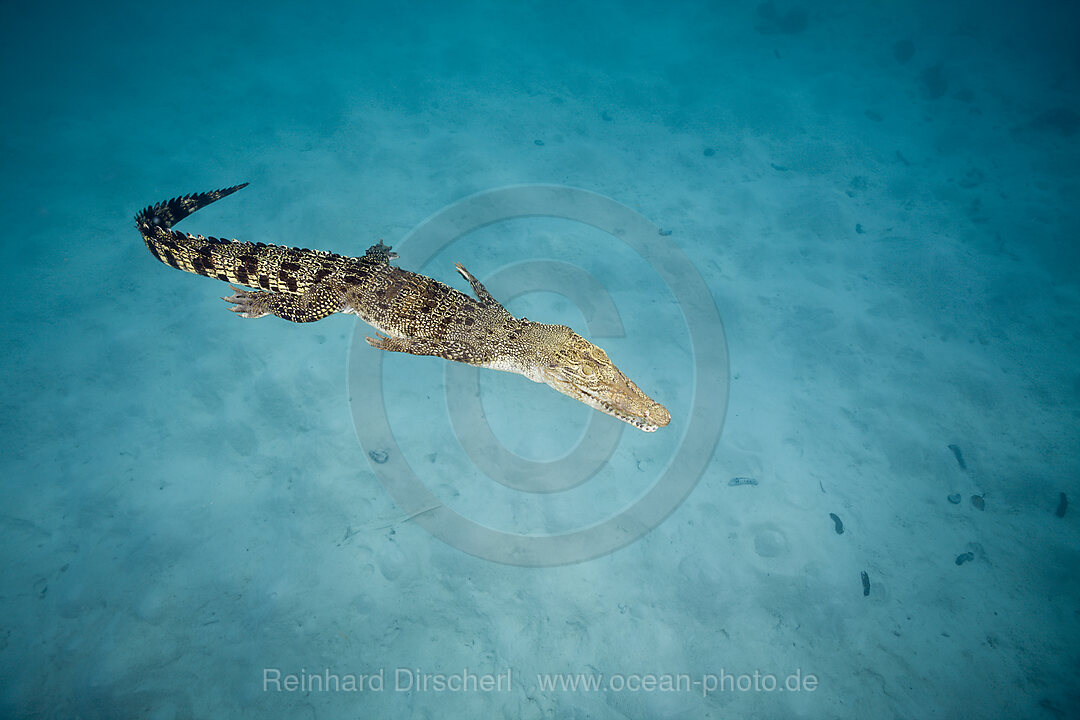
(411, 313)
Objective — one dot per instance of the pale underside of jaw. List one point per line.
(610, 409)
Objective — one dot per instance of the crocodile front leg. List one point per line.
(482, 293)
(318, 302)
(455, 350)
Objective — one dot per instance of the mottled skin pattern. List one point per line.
(412, 313)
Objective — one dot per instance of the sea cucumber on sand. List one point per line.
(1063, 505)
(742, 481)
(837, 524)
(865, 583)
(978, 502)
(964, 557)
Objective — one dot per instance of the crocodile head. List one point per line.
(575, 367)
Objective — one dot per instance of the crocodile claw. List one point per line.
(379, 341)
(248, 304)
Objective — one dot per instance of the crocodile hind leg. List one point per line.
(381, 252)
(481, 292)
(447, 349)
(317, 303)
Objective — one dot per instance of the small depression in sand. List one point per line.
(770, 542)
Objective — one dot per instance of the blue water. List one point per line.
(842, 233)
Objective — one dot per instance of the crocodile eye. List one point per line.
(588, 368)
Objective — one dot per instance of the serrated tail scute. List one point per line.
(168, 213)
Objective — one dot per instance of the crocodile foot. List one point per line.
(381, 342)
(249, 304)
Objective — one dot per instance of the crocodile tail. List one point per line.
(276, 268)
(168, 213)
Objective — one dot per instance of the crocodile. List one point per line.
(411, 313)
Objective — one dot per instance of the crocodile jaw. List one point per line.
(583, 371)
(641, 411)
